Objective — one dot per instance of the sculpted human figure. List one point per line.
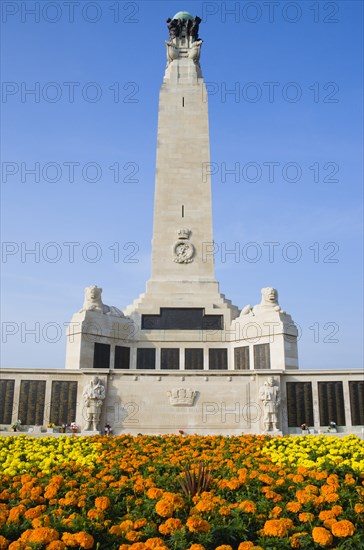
(93, 396)
(270, 396)
(93, 302)
(193, 31)
(173, 27)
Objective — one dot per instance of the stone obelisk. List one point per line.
(182, 262)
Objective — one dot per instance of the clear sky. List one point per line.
(285, 110)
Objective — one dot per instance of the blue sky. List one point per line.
(291, 129)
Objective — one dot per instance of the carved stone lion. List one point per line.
(93, 302)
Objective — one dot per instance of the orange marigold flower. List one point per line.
(155, 542)
(69, 539)
(102, 503)
(332, 497)
(197, 525)
(164, 508)
(116, 530)
(276, 511)
(4, 543)
(95, 514)
(133, 536)
(56, 545)
(329, 522)
(40, 535)
(322, 536)
(326, 514)
(343, 528)
(277, 527)
(295, 541)
(124, 547)
(41, 522)
(205, 506)
(126, 525)
(248, 506)
(293, 507)
(154, 493)
(305, 517)
(35, 512)
(224, 547)
(84, 539)
(170, 526)
(349, 480)
(51, 491)
(139, 523)
(196, 547)
(247, 545)
(359, 508)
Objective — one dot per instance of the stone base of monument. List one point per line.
(90, 432)
(273, 433)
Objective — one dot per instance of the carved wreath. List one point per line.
(183, 252)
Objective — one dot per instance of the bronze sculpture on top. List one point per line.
(183, 24)
(183, 37)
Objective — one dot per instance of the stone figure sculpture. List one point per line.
(268, 303)
(93, 396)
(93, 302)
(173, 27)
(270, 396)
(194, 27)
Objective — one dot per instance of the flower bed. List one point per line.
(181, 493)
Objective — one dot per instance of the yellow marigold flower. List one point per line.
(322, 536)
(84, 539)
(305, 517)
(197, 525)
(102, 503)
(170, 526)
(293, 507)
(248, 506)
(343, 528)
